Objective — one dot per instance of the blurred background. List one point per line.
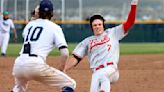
(82, 9)
(73, 17)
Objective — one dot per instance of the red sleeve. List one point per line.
(131, 19)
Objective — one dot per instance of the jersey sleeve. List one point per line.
(131, 18)
(117, 32)
(59, 38)
(12, 24)
(81, 49)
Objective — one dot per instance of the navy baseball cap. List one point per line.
(45, 5)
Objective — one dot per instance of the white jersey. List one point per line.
(6, 25)
(43, 35)
(101, 49)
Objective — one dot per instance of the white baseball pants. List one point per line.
(33, 68)
(4, 40)
(102, 78)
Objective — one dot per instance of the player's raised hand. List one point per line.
(134, 2)
(35, 13)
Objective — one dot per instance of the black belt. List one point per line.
(31, 55)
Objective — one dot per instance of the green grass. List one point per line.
(142, 48)
(71, 46)
(14, 49)
(126, 48)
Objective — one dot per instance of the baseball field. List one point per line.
(141, 69)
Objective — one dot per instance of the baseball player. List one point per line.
(40, 37)
(102, 50)
(5, 25)
(34, 13)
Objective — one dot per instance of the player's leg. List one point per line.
(20, 85)
(18, 73)
(54, 77)
(114, 76)
(108, 75)
(1, 39)
(5, 43)
(95, 83)
(104, 84)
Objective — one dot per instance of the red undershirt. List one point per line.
(131, 19)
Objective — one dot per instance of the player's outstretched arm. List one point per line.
(72, 62)
(131, 17)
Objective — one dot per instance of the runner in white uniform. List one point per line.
(40, 37)
(5, 25)
(102, 50)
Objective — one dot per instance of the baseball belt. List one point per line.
(32, 55)
(102, 66)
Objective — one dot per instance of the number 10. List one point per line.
(37, 31)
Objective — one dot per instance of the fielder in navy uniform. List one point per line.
(40, 37)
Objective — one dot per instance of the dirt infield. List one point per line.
(138, 73)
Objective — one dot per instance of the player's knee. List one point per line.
(114, 78)
(73, 84)
(67, 89)
(70, 84)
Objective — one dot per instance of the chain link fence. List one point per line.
(82, 9)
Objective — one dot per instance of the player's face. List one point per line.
(5, 17)
(98, 27)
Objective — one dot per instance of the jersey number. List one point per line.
(34, 37)
(35, 33)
